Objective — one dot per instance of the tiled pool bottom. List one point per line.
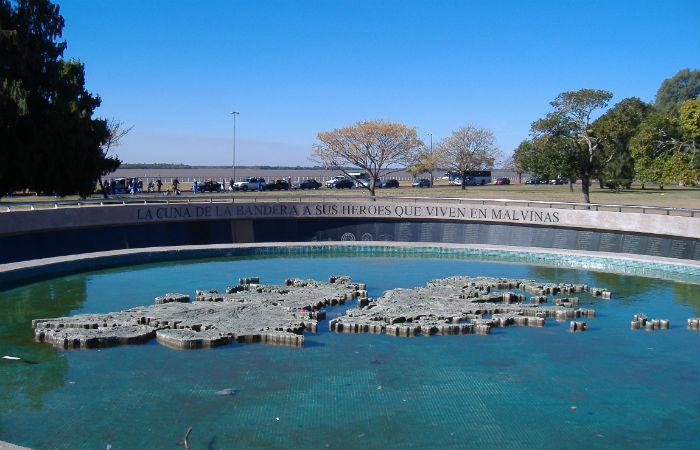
(609, 387)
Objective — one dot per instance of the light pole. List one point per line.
(233, 165)
(431, 155)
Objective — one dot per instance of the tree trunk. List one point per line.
(102, 186)
(571, 185)
(372, 188)
(601, 183)
(586, 189)
(464, 180)
(520, 177)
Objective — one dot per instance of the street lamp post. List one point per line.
(233, 165)
(431, 154)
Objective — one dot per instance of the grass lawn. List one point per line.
(679, 197)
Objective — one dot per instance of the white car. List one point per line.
(250, 184)
(365, 183)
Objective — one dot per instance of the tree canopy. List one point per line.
(375, 146)
(468, 148)
(685, 85)
(50, 140)
(615, 129)
(569, 127)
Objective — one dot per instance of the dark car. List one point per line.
(308, 184)
(502, 181)
(558, 181)
(210, 186)
(391, 184)
(277, 185)
(345, 183)
(421, 183)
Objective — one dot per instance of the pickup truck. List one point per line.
(250, 184)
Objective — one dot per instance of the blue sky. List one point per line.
(175, 69)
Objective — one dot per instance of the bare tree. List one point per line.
(117, 131)
(374, 146)
(469, 148)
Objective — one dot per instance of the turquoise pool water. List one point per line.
(521, 387)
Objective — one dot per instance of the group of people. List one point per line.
(134, 186)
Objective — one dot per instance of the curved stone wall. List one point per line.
(46, 233)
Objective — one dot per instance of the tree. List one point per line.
(570, 125)
(615, 129)
(689, 121)
(685, 85)
(116, 131)
(50, 140)
(426, 162)
(666, 147)
(468, 148)
(375, 146)
(509, 164)
(648, 150)
(545, 157)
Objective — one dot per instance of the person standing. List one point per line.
(195, 187)
(176, 183)
(159, 184)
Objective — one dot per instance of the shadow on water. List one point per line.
(687, 295)
(24, 385)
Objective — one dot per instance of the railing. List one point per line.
(8, 207)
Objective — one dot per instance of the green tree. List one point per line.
(685, 85)
(545, 157)
(689, 121)
(569, 125)
(50, 140)
(615, 129)
(661, 153)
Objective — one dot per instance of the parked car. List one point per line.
(250, 184)
(211, 186)
(536, 180)
(421, 183)
(391, 184)
(558, 181)
(502, 181)
(363, 183)
(340, 183)
(277, 185)
(307, 184)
